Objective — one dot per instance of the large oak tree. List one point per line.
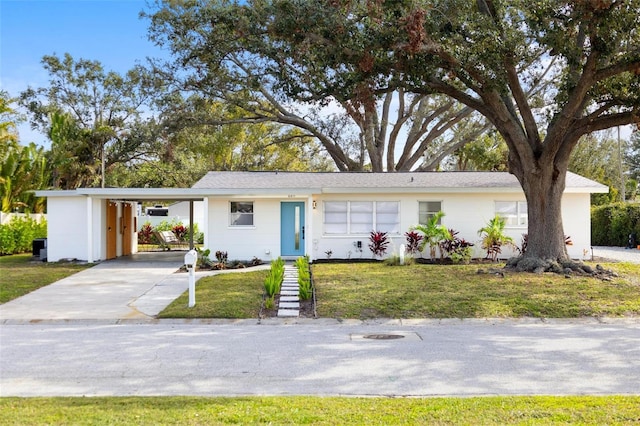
(487, 55)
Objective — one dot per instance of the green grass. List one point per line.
(20, 275)
(458, 291)
(584, 410)
(375, 290)
(229, 295)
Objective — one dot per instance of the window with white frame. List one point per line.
(428, 209)
(241, 213)
(361, 217)
(513, 212)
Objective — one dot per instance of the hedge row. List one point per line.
(17, 236)
(611, 224)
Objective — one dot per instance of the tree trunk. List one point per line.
(546, 248)
(543, 190)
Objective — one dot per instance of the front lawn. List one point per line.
(458, 291)
(20, 274)
(229, 295)
(375, 290)
(296, 410)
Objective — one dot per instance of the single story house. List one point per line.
(290, 214)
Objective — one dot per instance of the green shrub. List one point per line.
(461, 255)
(7, 242)
(611, 224)
(273, 280)
(394, 260)
(304, 278)
(17, 236)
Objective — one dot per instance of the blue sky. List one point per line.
(108, 31)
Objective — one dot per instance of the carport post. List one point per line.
(190, 260)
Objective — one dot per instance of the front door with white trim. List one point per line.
(292, 228)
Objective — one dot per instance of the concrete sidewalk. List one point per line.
(616, 254)
(132, 288)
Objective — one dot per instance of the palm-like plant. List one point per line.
(433, 232)
(493, 237)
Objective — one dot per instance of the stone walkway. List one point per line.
(289, 305)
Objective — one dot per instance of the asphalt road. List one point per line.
(321, 357)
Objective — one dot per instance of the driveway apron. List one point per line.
(115, 289)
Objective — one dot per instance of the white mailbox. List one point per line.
(190, 261)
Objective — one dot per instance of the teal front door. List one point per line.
(292, 228)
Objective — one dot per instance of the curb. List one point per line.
(274, 321)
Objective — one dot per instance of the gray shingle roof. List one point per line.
(377, 182)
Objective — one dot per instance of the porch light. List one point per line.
(315, 204)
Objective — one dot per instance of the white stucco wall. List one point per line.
(262, 240)
(76, 229)
(576, 219)
(465, 213)
(67, 228)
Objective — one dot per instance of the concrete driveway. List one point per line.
(133, 287)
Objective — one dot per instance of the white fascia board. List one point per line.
(269, 192)
(592, 190)
(142, 193)
(57, 193)
(430, 190)
(424, 190)
(188, 193)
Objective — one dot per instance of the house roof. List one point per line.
(411, 182)
(299, 184)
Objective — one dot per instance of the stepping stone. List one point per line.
(289, 305)
(290, 287)
(288, 312)
(289, 293)
(289, 299)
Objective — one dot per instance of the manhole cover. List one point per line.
(383, 336)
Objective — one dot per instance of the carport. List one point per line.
(93, 224)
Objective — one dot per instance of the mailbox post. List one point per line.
(190, 260)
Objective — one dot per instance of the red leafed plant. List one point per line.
(145, 235)
(180, 231)
(413, 241)
(379, 242)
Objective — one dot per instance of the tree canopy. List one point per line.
(22, 168)
(88, 113)
(223, 51)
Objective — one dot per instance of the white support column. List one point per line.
(205, 224)
(90, 258)
(308, 241)
(191, 246)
